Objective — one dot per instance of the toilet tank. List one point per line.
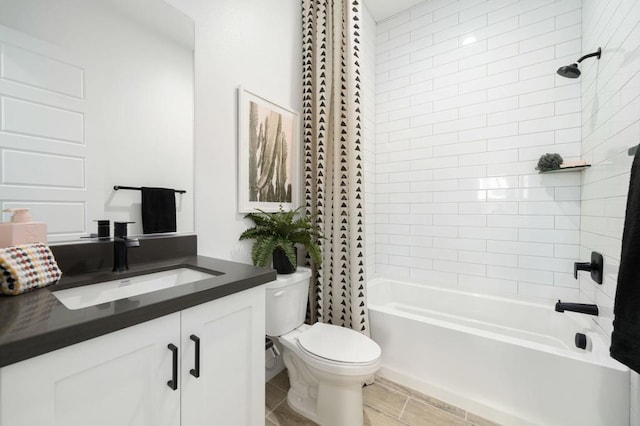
(286, 302)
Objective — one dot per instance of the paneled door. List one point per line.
(43, 150)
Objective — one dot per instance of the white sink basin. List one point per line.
(108, 291)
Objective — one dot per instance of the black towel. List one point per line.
(158, 210)
(625, 339)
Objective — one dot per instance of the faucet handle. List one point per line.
(580, 266)
(120, 229)
(103, 228)
(596, 267)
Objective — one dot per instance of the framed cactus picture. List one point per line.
(268, 163)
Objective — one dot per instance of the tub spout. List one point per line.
(583, 308)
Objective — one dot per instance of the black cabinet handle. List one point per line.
(173, 383)
(195, 372)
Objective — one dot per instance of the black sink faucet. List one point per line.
(583, 308)
(121, 244)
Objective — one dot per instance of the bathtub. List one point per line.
(510, 360)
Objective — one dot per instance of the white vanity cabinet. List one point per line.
(116, 379)
(122, 378)
(230, 389)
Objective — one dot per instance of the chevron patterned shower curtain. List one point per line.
(333, 168)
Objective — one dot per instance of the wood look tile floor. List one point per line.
(385, 404)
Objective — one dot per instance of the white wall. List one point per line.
(253, 43)
(134, 107)
(460, 126)
(610, 125)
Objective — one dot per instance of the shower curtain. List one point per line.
(333, 168)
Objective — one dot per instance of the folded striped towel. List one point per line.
(27, 267)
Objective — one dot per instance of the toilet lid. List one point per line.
(338, 344)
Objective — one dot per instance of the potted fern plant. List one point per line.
(275, 236)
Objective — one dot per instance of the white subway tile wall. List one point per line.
(466, 101)
(610, 126)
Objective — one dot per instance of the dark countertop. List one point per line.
(35, 323)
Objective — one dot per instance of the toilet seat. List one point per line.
(290, 341)
(336, 367)
(338, 345)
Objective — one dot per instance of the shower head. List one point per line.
(569, 71)
(572, 71)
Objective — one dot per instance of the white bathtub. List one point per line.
(512, 361)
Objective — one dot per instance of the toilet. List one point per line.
(327, 364)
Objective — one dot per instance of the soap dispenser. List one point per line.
(21, 229)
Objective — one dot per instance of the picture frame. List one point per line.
(268, 154)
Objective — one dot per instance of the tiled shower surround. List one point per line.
(610, 125)
(466, 101)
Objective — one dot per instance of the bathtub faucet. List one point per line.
(583, 308)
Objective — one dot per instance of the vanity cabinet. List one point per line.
(122, 378)
(230, 389)
(116, 379)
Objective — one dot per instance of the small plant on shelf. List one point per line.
(276, 234)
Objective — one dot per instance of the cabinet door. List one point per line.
(116, 379)
(230, 389)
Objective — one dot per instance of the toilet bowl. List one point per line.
(327, 364)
